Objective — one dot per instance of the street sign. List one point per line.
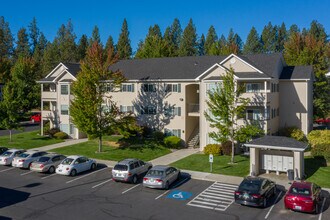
(211, 158)
(179, 195)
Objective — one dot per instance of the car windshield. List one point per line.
(300, 191)
(155, 173)
(43, 159)
(252, 186)
(121, 167)
(24, 155)
(67, 161)
(7, 153)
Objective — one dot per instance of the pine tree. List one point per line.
(65, 42)
(281, 38)
(222, 46)
(268, 38)
(234, 44)
(317, 30)
(22, 48)
(153, 45)
(90, 113)
(201, 46)
(211, 38)
(6, 39)
(82, 47)
(124, 48)
(188, 44)
(252, 44)
(95, 37)
(38, 55)
(110, 46)
(34, 34)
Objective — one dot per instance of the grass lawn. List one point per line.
(27, 140)
(111, 151)
(200, 162)
(317, 171)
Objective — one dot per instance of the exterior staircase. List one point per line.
(194, 138)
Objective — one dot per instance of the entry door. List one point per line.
(287, 163)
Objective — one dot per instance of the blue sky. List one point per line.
(109, 15)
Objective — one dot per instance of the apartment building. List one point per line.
(169, 94)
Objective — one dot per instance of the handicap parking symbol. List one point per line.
(179, 195)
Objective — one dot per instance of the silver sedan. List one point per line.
(161, 177)
(47, 163)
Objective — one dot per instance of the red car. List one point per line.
(36, 118)
(323, 121)
(303, 196)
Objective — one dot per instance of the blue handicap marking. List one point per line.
(179, 195)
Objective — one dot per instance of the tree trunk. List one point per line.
(10, 138)
(232, 150)
(100, 143)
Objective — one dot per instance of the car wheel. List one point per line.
(274, 191)
(135, 179)
(51, 169)
(179, 176)
(264, 203)
(73, 172)
(167, 185)
(316, 210)
(29, 166)
(93, 166)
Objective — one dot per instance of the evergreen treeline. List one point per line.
(300, 47)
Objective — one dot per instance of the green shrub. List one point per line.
(53, 131)
(46, 128)
(293, 132)
(319, 137)
(321, 150)
(61, 135)
(158, 136)
(214, 149)
(173, 142)
(226, 148)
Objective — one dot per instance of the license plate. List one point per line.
(60, 170)
(297, 207)
(152, 180)
(119, 175)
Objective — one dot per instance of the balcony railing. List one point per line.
(48, 95)
(193, 109)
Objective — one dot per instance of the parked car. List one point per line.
(323, 121)
(25, 159)
(7, 157)
(255, 191)
(47, 163)
(129, 170)
(3, 149)
(161, 177)
(72, 165)
(36, 118)
(303, 196)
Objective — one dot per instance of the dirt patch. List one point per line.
(111, 144)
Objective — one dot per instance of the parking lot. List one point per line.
(93, 195)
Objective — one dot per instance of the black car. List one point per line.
(3, 149)
(255, 191)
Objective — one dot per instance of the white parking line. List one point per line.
(130, 188)
(101, 183)
(70, 181)
(22, 174)
(273, 205)
(7, 169)
(49, 176)
(162, 194)
(321, 211)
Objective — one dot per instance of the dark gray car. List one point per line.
(129, 170)
(161, 177)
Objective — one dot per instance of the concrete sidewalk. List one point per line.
(62, 144)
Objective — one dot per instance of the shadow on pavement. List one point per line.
(11, 197)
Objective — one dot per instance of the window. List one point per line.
(64, 110)
(267, 113)
(253, 87)
(173, 132)
(124, 108)
(172, 88)
(64, 89)
(149, 110)
(149, 87)
(173, 111)
(253, 114)
(127, 87)
(107, 87)
(211, 87)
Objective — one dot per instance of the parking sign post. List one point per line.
(211, 161)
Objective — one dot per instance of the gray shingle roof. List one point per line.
(277, 142)
(73, 68)
(297, 72)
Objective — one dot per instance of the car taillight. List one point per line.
(129, 174)
(42, 166)
(5, 159)
(67, 168)
(145, 179)
(21, 160)
(158, 180)
(237, 193)
(256, 196)
(308, 201)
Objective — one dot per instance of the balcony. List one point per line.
(49, 95)
(193, 110)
